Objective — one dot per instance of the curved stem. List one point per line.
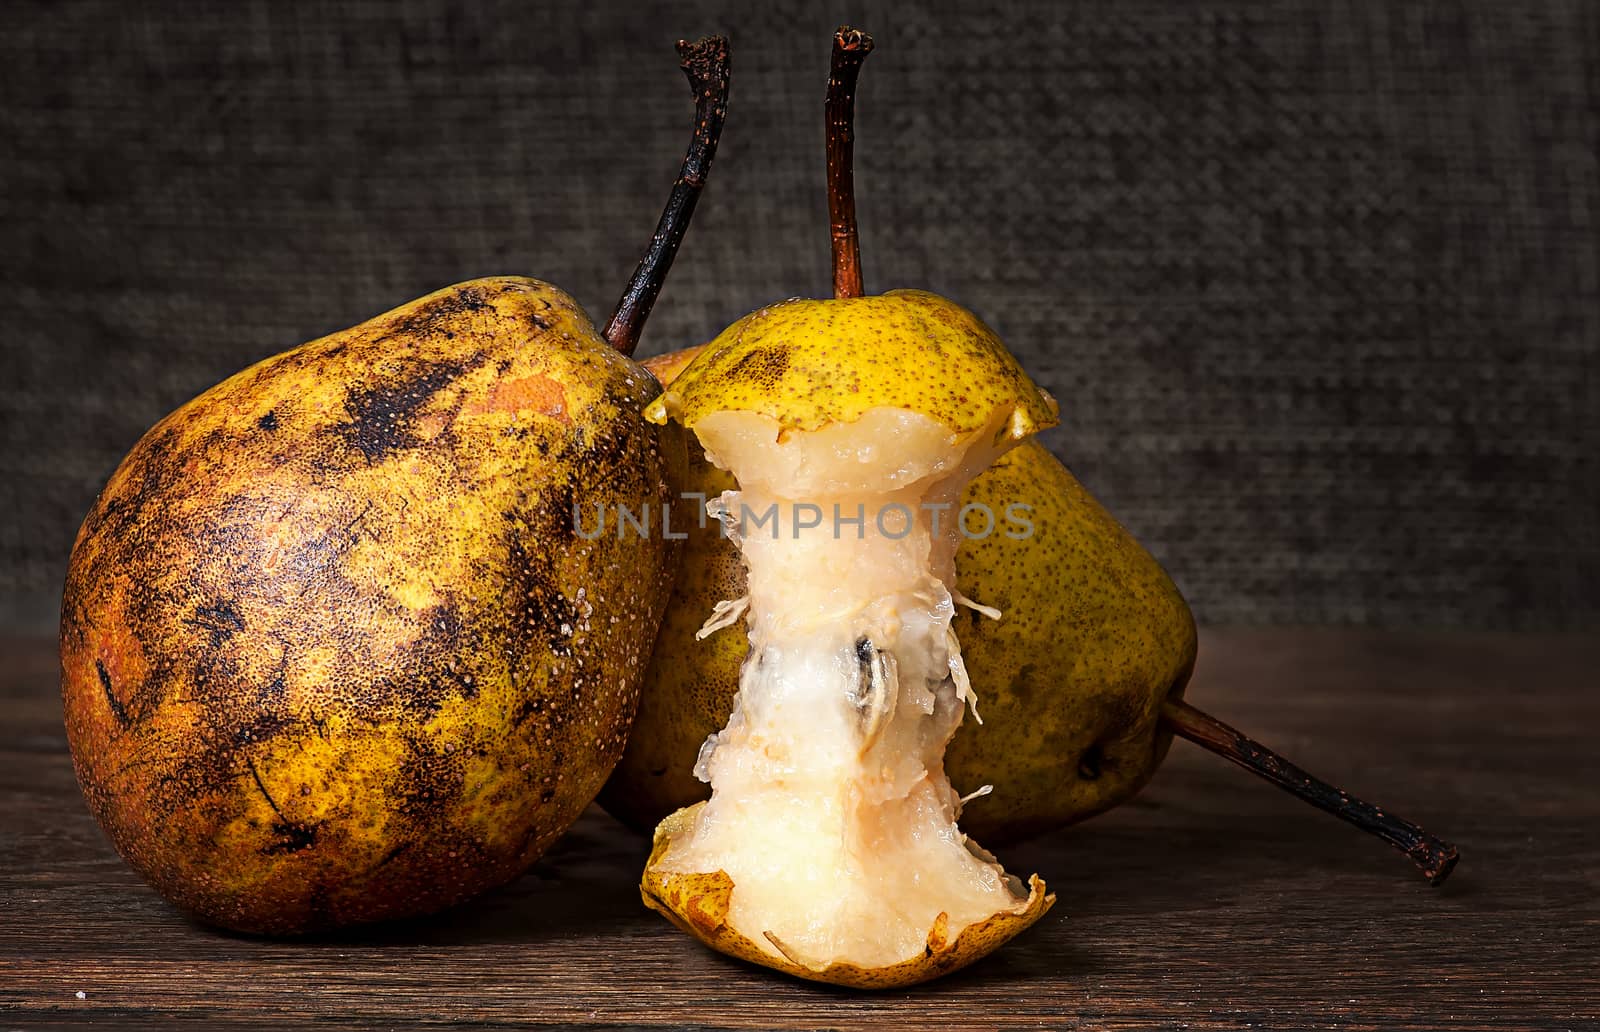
(705, 62)
(850, 48)
(1435, 857)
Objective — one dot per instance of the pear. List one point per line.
(829, 847)
(333, 648)
(690, 680)
(1092, 639)
(1079, 679)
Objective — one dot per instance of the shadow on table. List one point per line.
(586, 886)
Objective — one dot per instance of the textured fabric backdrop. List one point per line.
(1314, 282)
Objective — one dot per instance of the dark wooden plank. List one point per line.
(1212, 902)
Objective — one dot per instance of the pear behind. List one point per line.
(1093, 635)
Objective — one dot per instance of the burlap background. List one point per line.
(1315, 282)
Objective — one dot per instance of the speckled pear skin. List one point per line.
(331, 648)
(1093, 636)
(698, 904)
(807, 363)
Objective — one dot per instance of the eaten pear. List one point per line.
(829, 847)
(332, 650)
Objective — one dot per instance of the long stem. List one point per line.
(850, 48)
(705, 62)
(1435, 857)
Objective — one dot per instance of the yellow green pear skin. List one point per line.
(1093, 635)
(331, 648)
(808, 363)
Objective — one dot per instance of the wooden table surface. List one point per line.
(1213, 901)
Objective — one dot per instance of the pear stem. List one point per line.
(850, 48)
(1433, 856)
(705, 62)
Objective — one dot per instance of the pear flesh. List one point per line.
(830, 811)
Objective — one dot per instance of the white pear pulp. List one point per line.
(830, 810)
